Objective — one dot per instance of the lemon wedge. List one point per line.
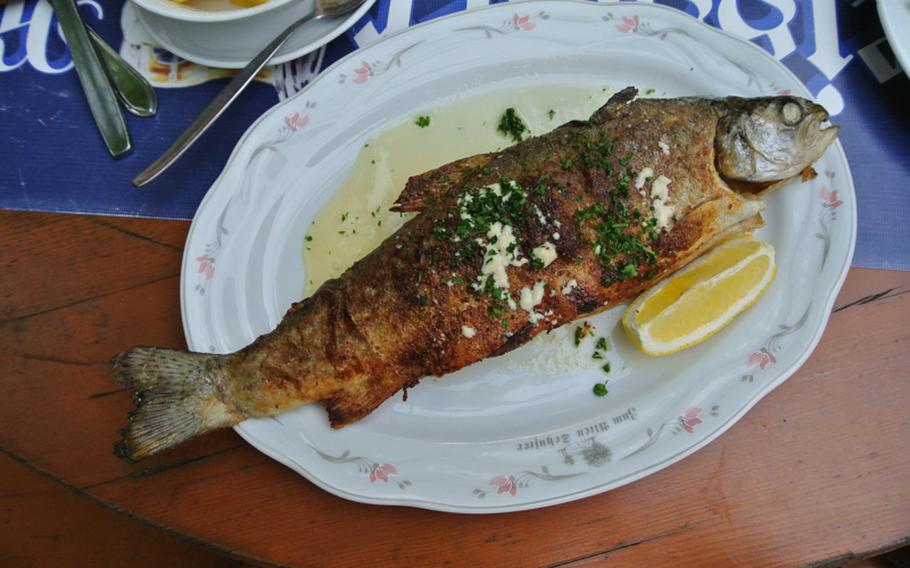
(700, 300)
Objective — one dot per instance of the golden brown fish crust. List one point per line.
(391, 319)
(506, 245)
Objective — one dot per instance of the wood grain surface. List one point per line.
(817, 473)
(44, 523)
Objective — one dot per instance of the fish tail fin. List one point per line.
(175, 397)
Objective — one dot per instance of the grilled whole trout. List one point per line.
(505, 246)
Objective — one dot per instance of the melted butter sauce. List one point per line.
(357, 218)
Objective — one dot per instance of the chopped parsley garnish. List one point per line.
(503, 206)
(622, 184)
(606, 367)
(596, 154)
(602, 344)
(597, 355)
(510, 124)
(582, 331)
(308, 238)
(480, 209)
(621, 244)
(551, 114)
(344, 216)
(600, 389)
(423, 121)
(649, 91)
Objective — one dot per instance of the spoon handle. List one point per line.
(132, 89)
(218, 105)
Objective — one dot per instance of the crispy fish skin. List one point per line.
(395, 316)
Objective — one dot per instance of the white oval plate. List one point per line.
(234, 43)
(505, 434)
(895, 17)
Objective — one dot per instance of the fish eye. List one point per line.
(791, 112)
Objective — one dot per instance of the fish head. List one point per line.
(770, 139)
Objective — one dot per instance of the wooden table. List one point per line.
(818, 472)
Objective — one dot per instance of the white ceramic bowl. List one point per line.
(178, 11)
(232, 44)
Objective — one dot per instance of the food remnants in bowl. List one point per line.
(219, 5)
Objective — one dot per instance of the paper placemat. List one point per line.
(54, 160)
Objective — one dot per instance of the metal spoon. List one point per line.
(324, 9)
(132, 89)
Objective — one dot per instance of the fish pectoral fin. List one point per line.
(712, 222)
(419, 190)
(723, 217)
(760, 189)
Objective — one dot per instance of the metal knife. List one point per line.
(97, 87)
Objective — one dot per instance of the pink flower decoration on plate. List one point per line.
(522, 22)
(762, 358)
(504, 484)
(690, 419)
(829, 198)
(206, 266)
(628, 24)
(363, 73)
(295, 121)
(382, 472)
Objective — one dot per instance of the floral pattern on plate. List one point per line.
(510, 484)
(524, 439)
(374, 470)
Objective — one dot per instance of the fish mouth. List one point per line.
(826, 134)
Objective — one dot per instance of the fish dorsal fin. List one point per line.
(618, 100)
(436, 183)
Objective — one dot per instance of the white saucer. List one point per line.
(895, 17)
(232, 44)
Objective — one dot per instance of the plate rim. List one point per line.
(344, 24)
(423, 503)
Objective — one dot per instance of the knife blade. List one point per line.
(98, 91)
